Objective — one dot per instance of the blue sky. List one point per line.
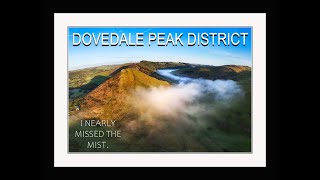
(88, 56)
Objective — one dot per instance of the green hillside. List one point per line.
(153, 66)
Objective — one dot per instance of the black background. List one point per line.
(47, 10)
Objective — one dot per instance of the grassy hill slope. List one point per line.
(108, 100)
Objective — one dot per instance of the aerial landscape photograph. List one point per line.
(157, 99)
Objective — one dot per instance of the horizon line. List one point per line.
(132, 62)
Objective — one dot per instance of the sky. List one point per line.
(89, 56)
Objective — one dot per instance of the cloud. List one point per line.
(222, 89)
(165, 101)
(190, 97)
(177, 118)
